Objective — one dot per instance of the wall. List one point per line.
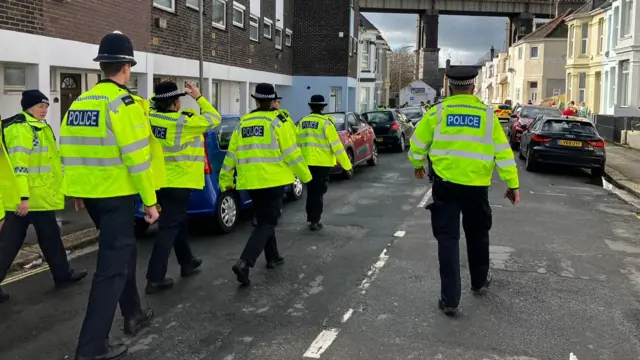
(628, 49)
(296, 97)
(406, 95)
(22, 15)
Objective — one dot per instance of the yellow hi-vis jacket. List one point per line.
(105, 146)
(289, 124)
(263, 154)
(464, 140)
(320, 143)
(182, 140)
(157, 156)
(9, 188)
(33, 154)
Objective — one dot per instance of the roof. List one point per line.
(365, 23)
(591, 5)
(547, 30)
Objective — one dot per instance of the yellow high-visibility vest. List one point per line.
(319, 142)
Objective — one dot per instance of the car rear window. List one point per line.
(532, 112)
(569, 126)
(225, 130)
(504, 107)
(413, 114)
(379, 117)
(338, 121)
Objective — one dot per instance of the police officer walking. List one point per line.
(320, 146)
(104, 145)
(464, 140)
(291, 126)
(33, 154)
(181, 135)
(265, 158)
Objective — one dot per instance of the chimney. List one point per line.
(448, 63)
(492, 52)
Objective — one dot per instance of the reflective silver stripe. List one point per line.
(231, 155)
(417, 141)
(257, 159)
(80, 161)
(259, 118)
(463, 154)
(296, 161)
(504, 163)
(138, 145)
(336, 143)
(463, 137)
(19, 149)
(290, 150)
(315, 136)
(258, 147)
(197, 143)
(211, 118)
(339, 152)
(417, 156)
(315, 145)
(88, 141)
(136, 169)
(117, 102)
(226, 167)
(40, 149)
(179, 125)
(489, 129)
(182, 158)
(500, 147)
(39, 169)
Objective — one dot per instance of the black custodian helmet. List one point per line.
(115, 47)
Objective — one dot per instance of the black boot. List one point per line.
(74, 277)
(190, 268)
(241, 269)
(133, 325)
(315, 226)
(154, 287)
(483, 290)
(451, 311)
(113, 353)
(272, 264)
(4, 297)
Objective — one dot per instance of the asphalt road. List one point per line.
(566, 280)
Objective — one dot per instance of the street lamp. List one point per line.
(400, 70)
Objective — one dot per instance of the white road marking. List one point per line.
(346, 316)
(373, 272)
(321, 343)
(572, 357)
(621, 194)
(546, 193)
(399, 233)
(426, 198)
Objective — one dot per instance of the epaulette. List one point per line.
(16, 119)
(128, 100)
(187, 113)
(282, 117)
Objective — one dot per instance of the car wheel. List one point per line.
(226, 212)
(597, 172)
(401, 144)
(529, 163)
(140, 227)
(295, 190)
(350, 173)
(374, 156)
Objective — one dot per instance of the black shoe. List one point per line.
(241, 269)
(315, 226)
(133, 325)
(157, 287)
(113, 353)
(275, 263)
(451, 311)
(189, 269)
(74, 277)
(254, 222)
(4, 297)
(483, 290)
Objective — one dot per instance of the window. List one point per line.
(520, 53)
(376, 60)
(583, 38)
(606, 86)
(238, 14)
(364, 99)
(351, 46)
(288, 37)
(518, 94)
(582, 86)
(279, 38)
(219, 13)
(609, 23)
(352, 17)
(569, 87)
(533, 53)
(627, 6)
(355, 45)
(214, 94)
(571, 35)
(194, 4)
(614, 84)
(168, 5)
(624, 83)
(267, 28)
(616, 26)
(600, 35)
(15, 78)
(364, 55)
(254, 25)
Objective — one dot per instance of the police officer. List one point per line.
(181, 135)
(104, 145)
(320, 146)
(9, 193)
(265, 158)
(464, 141)
(291, 126)
(33, 154)
(381, 106)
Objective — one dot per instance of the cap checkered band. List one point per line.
(45, 101)
(170, 94)
(461, 82)
(264, 96)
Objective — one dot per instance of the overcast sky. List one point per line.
(464, 38)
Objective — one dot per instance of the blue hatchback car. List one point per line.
(224, 206)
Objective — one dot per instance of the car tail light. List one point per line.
(539, 138)
(395, 126)
(207, 164)
(596, 143)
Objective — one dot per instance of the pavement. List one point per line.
(566, 281)
(623, 167)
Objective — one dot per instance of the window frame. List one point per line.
(531, 52)
(626, 20)
(520, 52)
(288, 37)
(571, 42)
(238, 7)
(625, 83)
(265, 22)
(275, 35)
(255, 25)
(569, 84)
(600, 45)
(613, 77)
(164, 8)
(582, 87)
(365, 53)
(366, 93)
(13, 88)
(222, 26)
(192, 6)
(584, 39)
(616, 23)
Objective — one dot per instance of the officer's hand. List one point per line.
(420, 173)
(151, 214)
(23, 208)
(193, 91)
(79, 204)
(513, 196)
(229, 188)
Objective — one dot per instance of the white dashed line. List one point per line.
(375, 269)
(572, 357)
(399, 233)
(321, 343)
(426, 198)
(346, 316)
(547, 193)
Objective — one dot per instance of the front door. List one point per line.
(70, 89)
(533, 92)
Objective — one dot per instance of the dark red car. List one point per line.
(522, 117)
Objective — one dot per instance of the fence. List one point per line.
(614, 128)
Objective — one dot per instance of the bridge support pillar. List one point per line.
(428, 51)
(518, 27)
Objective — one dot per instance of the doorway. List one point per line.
(334, 99)
(596, 95)
(70, 89)
(533, 92)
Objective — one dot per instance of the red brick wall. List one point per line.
(22, 15)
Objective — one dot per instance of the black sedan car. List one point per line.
(567, 140)
(414, 113)
(391, 127)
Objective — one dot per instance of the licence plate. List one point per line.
(379, 140)
(571, 143)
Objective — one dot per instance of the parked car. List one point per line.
(564, 140)
(392, 128)
(223, 206)
(523, 116)
(414, 114)
(358, 139)
(502, 111)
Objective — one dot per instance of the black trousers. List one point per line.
(316, 188)
(449, 200)
(14, 232)
(267, 204)
(172, 232)
(114, 281)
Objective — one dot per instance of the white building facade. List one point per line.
(373, 68)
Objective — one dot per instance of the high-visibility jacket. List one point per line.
(33, 154)
(9, 188)
(182, 140)
(263, 154)
(104, 145)
(289, 124)
(157, 155)
(465, 141)
(320, 143)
